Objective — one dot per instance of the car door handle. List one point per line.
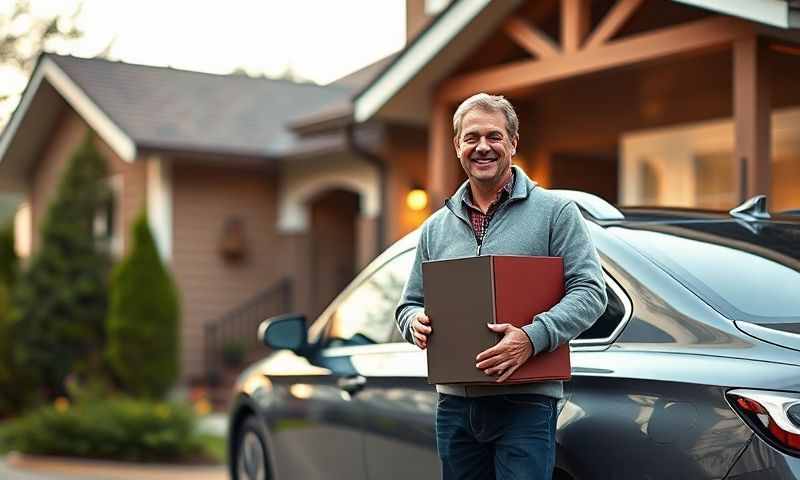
(352, 384)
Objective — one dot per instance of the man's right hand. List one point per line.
(420, 329)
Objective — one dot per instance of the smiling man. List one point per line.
(503, 431)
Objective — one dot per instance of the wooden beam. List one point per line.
(612, 22)
(751, 113)
(715, 32)
(530, 38)
(441, 157)
(575, 20)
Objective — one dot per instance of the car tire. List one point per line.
(251, 452)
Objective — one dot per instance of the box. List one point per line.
(462, 295)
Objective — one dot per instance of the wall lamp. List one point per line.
(417, 198)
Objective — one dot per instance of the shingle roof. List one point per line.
(165, 108)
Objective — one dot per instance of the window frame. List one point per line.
(577, 344)
(628, 313)
(327, 316)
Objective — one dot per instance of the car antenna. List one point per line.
(752, 210)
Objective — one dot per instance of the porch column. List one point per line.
(751, 112)
(442, 159)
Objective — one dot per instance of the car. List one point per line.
(692, 372)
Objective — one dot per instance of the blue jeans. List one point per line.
(499, 436)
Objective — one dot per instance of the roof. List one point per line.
(457, 29)
(165, 108)
(136, 108)
(340, 113)
(778, 13)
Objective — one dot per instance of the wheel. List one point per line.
(251, 452)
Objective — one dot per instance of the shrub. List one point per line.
(118, 428)
(234, 353)
(58, 305)
(143, 319)
(13, 391)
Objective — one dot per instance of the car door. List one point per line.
(397, 402)
(662, 428)
(315, 430)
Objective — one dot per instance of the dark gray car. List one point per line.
(693, 371)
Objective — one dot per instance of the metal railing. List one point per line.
(233, 337)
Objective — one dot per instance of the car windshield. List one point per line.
(746, 271)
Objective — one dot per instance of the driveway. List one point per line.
(23, 467)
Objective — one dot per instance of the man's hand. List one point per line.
(511, 351)
(420, 329)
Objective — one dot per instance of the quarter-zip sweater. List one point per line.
(533, 221)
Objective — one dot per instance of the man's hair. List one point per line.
(487, 103)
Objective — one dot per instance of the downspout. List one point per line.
(383, 181)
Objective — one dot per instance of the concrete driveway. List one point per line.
(23, 467)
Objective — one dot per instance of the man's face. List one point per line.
(484, 147)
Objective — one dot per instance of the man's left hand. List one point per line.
(511, 351)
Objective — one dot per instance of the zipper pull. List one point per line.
(478, 248)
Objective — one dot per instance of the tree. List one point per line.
(143, 319)
(10, 398)
(59, 303)
(22, 37)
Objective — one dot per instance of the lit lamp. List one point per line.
(417, 199)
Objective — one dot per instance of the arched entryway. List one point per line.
(333, 245)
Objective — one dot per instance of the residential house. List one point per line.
(268, 195)
(687, 103)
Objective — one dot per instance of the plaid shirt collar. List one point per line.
(478, 219)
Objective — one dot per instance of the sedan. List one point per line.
(692, 372)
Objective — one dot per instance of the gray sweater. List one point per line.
(533, 221)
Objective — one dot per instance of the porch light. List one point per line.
(417, 199)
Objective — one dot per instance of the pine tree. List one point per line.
(143, 319)
(59, 303)
(10, 398)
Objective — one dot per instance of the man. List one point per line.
(503, 431)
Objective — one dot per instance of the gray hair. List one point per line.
(487, 103)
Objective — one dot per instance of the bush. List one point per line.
(12, 397)
(112, 429)
(143, 319)
(234, 353)
(58, 305)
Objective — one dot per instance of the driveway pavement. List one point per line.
(15, 467)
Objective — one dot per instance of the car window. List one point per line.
(613, 315)
(743, 275)
(366, 315)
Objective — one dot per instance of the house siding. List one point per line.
(204, 198)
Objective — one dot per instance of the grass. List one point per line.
(214, 447)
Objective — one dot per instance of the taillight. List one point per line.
(774, 416)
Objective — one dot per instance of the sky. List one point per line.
(321, 40)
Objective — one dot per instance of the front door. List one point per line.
(333, 246)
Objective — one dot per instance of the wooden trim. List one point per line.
(530, 38)
(716, 32)
(575, 20)
(612, 22)
(751, 113)
(441, 169)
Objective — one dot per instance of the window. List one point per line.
(615, 312)
(695, 165)
(366, 315)
(107, 227)
(745, 275)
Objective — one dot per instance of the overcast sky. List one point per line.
(320, 39)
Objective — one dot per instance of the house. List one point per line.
(268, 195)
(684, 103)
(244, 204)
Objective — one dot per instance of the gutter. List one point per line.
(383, 180)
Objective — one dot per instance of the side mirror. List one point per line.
(284, 332)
